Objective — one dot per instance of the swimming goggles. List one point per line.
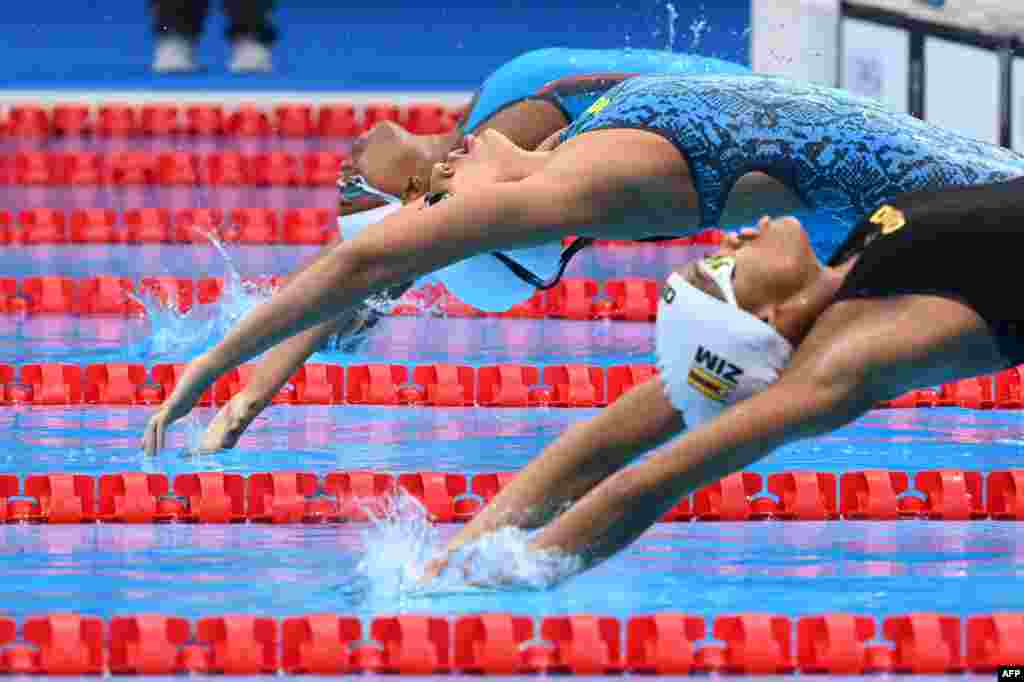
(720, 270)
(355, 188)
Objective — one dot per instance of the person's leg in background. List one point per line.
(177, 25)
(251, 34)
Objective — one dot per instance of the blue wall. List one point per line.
(389, 45)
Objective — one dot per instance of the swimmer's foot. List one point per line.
(229, 424)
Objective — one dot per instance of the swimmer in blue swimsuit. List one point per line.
(527, 99)
(653, 156)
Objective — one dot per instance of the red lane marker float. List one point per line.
(301, 497)
(496, 643)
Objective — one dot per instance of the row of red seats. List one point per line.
(495, 643)
(300, 497)
(290, 120)
(229, 168)
(322, 384)
(161, 226)
(439, 385)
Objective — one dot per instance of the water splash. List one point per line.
(185, 334)
(698, 29)
(673, 15)
(398, 545)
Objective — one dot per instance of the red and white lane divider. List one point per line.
(499, 643)
(259, 226)
(434, 385)
(344, 496)
(33, 122)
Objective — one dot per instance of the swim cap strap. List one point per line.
(578, 245)
(533, 280)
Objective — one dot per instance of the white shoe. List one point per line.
(250, 56)
(174, 54)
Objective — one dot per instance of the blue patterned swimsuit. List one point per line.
(841, 154)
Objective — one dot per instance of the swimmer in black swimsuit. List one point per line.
(920, 294)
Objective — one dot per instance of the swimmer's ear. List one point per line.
(551, 142)
(414, 189)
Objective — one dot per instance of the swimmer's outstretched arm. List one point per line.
(840, 371)
(578, 192)
(582, 457)
(804, 403)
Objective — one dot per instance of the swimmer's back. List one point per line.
(961, 243)
(840, 153)
(524, 76)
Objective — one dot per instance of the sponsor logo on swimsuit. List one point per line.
(598, 105)
(889, 219)
(712, 375)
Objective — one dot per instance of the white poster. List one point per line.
(876, 62)
(961, 86)
(1018, 105)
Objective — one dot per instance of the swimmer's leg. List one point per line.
(581, 458)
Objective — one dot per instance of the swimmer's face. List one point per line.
(387, 155)
(772, 264)
(484, 159)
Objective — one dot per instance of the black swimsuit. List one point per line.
(966, 244)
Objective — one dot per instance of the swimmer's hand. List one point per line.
(230, 423)
(186, 394)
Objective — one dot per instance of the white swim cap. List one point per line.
(482, 281)
(711, 353)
